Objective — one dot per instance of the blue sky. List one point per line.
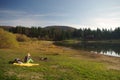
(77, 13)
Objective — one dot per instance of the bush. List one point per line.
(34, 39)
(7, 39)
(22, 37)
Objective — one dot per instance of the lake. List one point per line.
(109, 49)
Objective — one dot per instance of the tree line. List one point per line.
(57, 34)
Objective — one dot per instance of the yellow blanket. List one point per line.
(25, 64)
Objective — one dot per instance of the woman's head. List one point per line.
(28, 54)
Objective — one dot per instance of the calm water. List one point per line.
(101, 48)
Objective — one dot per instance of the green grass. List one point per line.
(63, 66)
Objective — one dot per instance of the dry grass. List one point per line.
(47, 47)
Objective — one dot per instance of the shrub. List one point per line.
(7, 39)
(22, 37)
(34, 39)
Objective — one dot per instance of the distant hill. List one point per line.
(6, 27)
(66, 28)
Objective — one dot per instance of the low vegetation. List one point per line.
(62, 63)
(7, 39)
(22, 37)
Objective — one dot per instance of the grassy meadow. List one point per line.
(62, 63)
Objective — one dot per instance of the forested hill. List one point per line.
(6, 27)
(65, 32)
(65, 28)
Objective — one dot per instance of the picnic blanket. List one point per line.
(25, 64)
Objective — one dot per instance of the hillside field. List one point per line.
(62, 63)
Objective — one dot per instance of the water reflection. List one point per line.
(102, 48)
(111, 49)
(110, 53)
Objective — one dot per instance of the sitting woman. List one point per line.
(28, 59)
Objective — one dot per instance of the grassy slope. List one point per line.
(62, 64)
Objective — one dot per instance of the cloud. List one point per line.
(23, 13)
(106, 22)
(109, 19)
(12, 13)
(116, 7)
(26, 22)
(14, 18)
(105, 19)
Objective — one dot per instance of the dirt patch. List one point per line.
(31, 76)
(54, 66)
(110, 61)
(114, 67)
(113, 62)
(10, 73)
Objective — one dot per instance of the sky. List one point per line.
(75, 13)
